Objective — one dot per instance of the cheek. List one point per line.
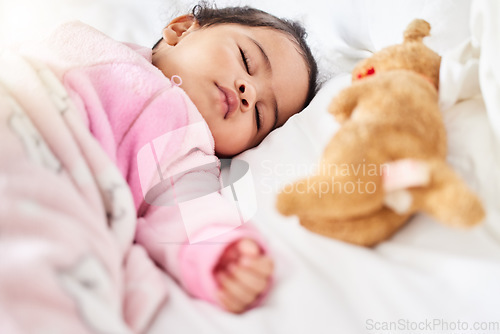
(233, 137)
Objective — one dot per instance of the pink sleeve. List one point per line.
(187, 242)
(198, 261)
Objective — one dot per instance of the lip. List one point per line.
(229, 101)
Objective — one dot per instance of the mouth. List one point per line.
(229, 101)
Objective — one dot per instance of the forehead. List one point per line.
(290, 74)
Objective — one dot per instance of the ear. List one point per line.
(178, 28)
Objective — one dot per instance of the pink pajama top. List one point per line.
(147, 124)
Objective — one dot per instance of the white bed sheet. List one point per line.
(426, 273)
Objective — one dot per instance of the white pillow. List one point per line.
(341, 32)
(368, 26)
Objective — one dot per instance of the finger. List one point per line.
(237, 290)
(249, 279)
(230, 303)
(262, 265)
(230, 254)
(248, 247)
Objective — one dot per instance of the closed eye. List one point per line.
(258, 118)
(245, 60)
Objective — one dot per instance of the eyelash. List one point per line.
(245, 60)
(258, 117)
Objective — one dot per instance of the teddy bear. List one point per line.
(388, 159)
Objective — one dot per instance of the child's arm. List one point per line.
(204, 245)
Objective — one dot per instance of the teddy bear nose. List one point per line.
(368, 72)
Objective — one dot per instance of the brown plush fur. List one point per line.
(390, 112)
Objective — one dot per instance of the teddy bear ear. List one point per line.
(417, 30)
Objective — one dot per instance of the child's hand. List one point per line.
(243, 273)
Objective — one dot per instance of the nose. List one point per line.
(247, 94)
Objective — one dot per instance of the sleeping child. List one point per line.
(246, 73)
(216, 84)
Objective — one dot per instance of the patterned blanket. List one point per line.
(67, 219)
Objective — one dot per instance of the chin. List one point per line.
(224, 154)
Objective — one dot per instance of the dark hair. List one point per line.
(208, 15)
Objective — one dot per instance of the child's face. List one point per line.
(245, 81)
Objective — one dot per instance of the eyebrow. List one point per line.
(270, 69)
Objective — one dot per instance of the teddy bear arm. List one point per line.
(325, 196)
(345, 102)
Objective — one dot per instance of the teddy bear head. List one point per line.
(411, 55)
